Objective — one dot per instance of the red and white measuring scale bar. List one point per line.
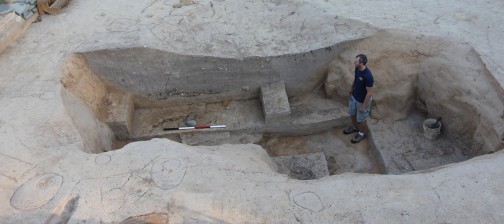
(195, 127)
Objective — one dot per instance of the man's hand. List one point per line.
(362, 108)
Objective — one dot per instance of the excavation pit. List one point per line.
(293, 104)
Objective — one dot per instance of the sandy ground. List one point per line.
(43, 171)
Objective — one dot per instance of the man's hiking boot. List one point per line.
(350, 130)
(358, 138)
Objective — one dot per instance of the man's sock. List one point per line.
(361, 133)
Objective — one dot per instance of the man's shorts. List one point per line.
(353, 109)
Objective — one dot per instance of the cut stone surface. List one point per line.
(340, 154)
(303, 167)
(331, 83)
(206, 138)
(120, 110)
(317, 113)
(275, 103)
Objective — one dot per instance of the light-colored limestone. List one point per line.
(120, 109)
(275, 104)
(238, 183)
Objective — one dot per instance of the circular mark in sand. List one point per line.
(112, 200)
(102, 159)
(36, 192)
(309, 201)
(123, 25)
(152, 218)
(163, 31)
(168, 173)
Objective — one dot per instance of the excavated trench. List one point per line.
(293, 105)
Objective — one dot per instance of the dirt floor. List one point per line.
(237, 115)
(404, 148)
(341, 155)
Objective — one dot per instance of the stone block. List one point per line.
(120, 110)
(303, 167)
(275, 102)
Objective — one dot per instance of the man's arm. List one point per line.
(351, 90)
(366, 100)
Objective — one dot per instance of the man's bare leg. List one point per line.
(362, 132)
(352, 129)
(354, 122)
(362, 127)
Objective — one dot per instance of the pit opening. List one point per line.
(294, 105)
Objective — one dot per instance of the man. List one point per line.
(360, 99)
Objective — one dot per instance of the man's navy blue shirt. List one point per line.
(363, 79)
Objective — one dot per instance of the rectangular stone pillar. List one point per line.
(275, 102)
(120, 109)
